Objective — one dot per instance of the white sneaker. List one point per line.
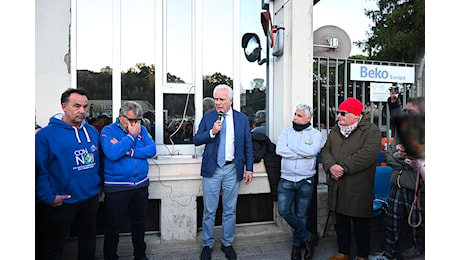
(380, 256)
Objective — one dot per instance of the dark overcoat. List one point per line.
(352, 194)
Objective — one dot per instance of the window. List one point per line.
(253, 75)
(217, 44)
(179, 41)
(137, 39)
(95, 75)
(167, 55)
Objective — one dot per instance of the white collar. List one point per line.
(229, 112)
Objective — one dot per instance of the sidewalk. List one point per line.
(266, 242)
(259, 242)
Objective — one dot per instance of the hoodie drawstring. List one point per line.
(76, 134)
(87, 135)
(78, 137)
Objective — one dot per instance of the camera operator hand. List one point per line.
(394, 95)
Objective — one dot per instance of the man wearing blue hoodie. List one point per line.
(68, 183)
(126, 145)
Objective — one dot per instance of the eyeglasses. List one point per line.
(133, 120)
(342, 113)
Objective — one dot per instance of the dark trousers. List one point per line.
(399, 205)
(117, 204)
(54, 224)
(361, 230)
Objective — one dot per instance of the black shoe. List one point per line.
(206, 253)
(142, 257)
(309, 248)
(296, 253)
(229, 252)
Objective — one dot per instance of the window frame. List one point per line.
(162, 87)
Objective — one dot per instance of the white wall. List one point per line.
(52, 20)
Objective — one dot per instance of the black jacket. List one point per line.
(265, 149)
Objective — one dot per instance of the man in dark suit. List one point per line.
(226, 134)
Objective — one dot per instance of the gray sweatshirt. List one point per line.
(299, 150)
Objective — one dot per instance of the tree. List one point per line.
(210, 81)
(258, 83)
(398, 33)
(138, 84)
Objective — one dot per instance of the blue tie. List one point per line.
(221, 149)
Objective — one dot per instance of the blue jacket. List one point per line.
(121, 169)
(244, 155)
(68, 161)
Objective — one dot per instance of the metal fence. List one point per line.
(332, 85)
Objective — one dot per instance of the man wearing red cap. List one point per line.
(349, 159)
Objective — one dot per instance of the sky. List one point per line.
(348, 15)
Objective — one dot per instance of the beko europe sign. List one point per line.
(380, 73)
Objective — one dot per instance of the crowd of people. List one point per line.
(77, 161)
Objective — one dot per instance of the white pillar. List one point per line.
(293, 71)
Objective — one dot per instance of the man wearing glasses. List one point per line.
(126, 145)
(349, 159)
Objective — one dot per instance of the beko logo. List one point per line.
(378, 73)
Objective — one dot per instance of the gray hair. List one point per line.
(305, 108)
(260, 113)
(223, 86)
(208, 104)
(131, 105)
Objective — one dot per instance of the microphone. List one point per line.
(220, 115)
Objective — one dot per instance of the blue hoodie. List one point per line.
(68, 160)
(125, 156)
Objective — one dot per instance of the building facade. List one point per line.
(180, 49)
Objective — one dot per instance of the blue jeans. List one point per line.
(224, 178)
(299, 192)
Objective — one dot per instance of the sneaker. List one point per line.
(296, 253)
(309, 248)
(206, 253)
(229, 252)
(380, 256)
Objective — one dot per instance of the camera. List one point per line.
(395, 89)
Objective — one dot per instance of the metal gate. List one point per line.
(332, 85)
